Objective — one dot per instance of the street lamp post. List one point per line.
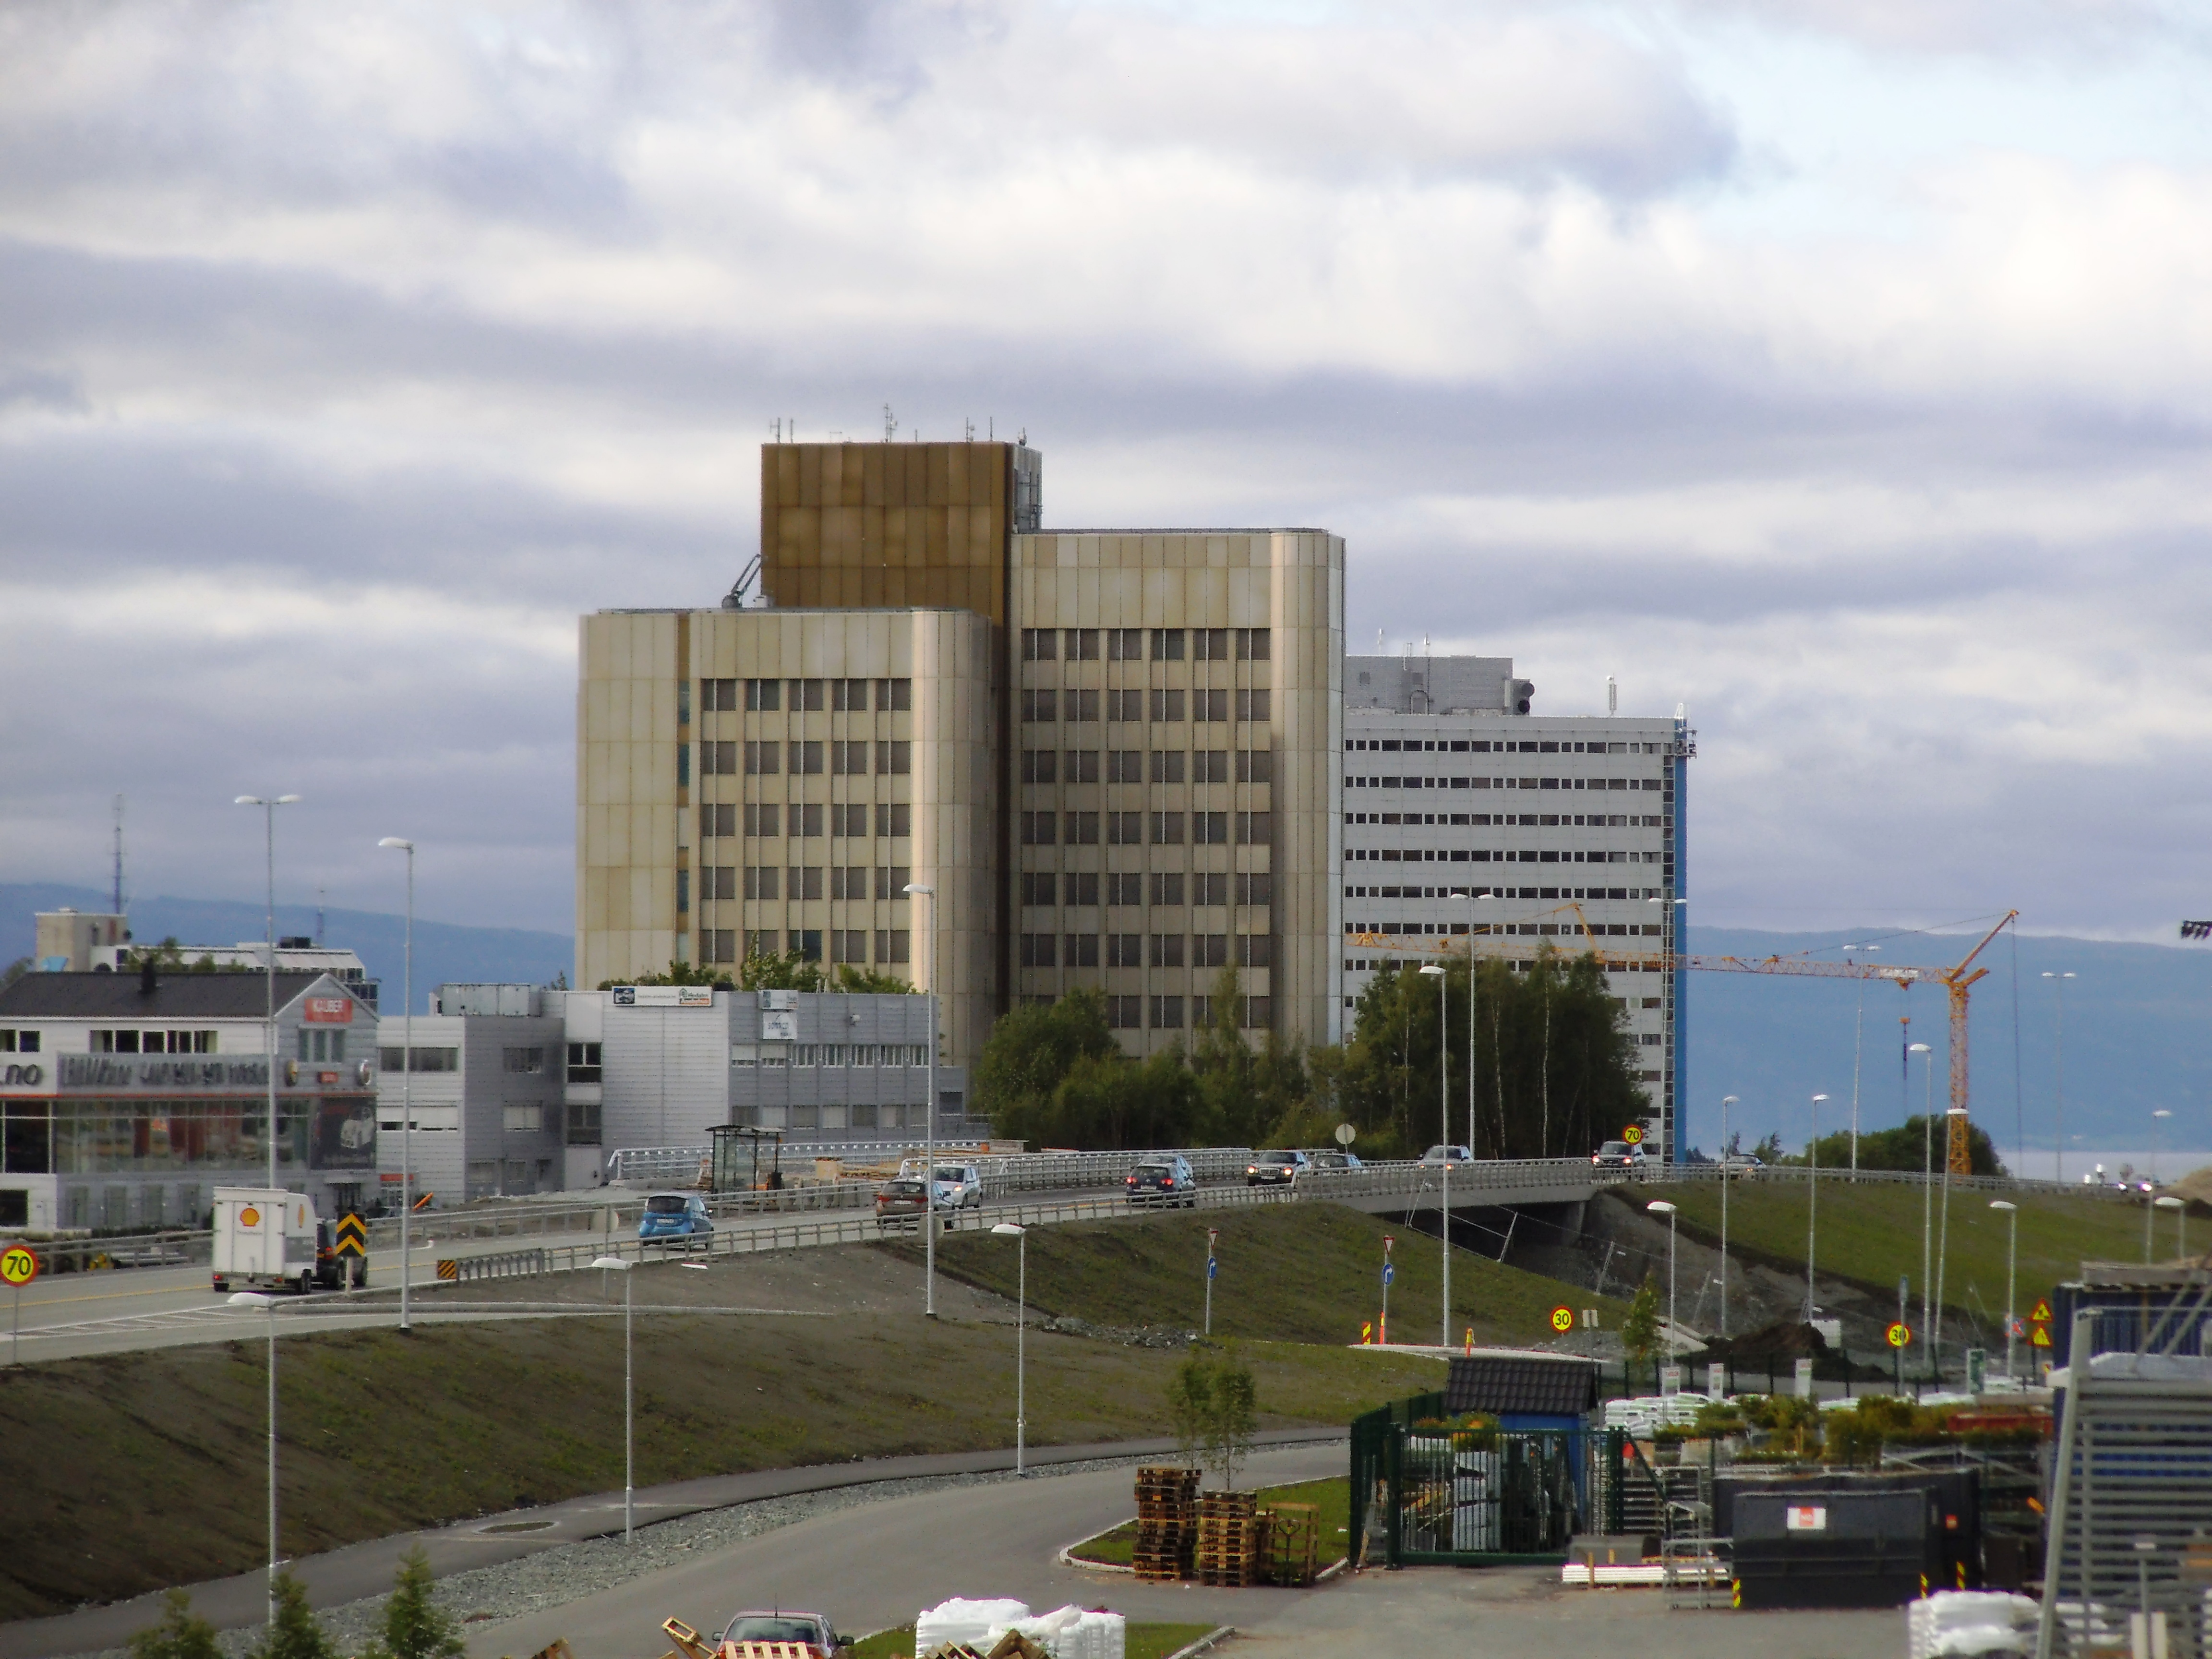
(1020, 1234)
(2180, 1208)
(922, 890)
(1943, 1248)
(1443, 1124)
(2150, 1214)
(406, 1085)
(2011, 1214)
(1471, 900)
(267, 1303)
(615, 1264)
(1812, 1206)
(1660, 1207)
(2157, 1133)
(2058, 1080)
(1927, 1190)
(1727, 1101)
(1212, 1237)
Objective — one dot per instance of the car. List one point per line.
(787, 1625)
(675, 1219)
(900, 1200)
(1164, 1179)
(1437, 1155)
(1277, 1169)
(1619, 1155)
(1740, 1163)
(1336, 1161)
(959, 1187)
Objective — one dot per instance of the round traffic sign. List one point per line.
(1346, 1134)
(1899, 1333)
(1563, 1319)
(1389, 1273)
(18, 1267)
(1633, 1134)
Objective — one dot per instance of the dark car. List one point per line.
(1276, 1169)
(1166, 1180)
(813, 1629)
(1619, 1155)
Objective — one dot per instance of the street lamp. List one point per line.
(2157, 1133)
(1443, 1123)
(406, 1084)
(1943, 1246)
(1812, 1206)
(268, 1304)
(1660, 1207)
(922, 890)
(1927, 1191)
(2011, 1212)
(269, 805)
(2150, 1207)
(2059, 1081)
(1014, 1230)
(1212, 1237)
(1727, 1101)
(615, 1264)
(1471, 900)
(2180, 1209)
(1672, 940)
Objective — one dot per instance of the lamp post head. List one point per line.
(1659, 1206)
(2168, 1202)
(1954, 1111)
(613, 1261)
(1431, 967)
(397, 841)
(263, 800)
(1919, 1048)
(1818, 1098)
(2161, 1112)
(1009, 1229)
(251, 1299)
(921, 887)
(2001, 1204)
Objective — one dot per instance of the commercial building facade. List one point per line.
(1548, 825)
(485, 1082)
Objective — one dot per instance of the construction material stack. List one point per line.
(1167, 1524)
(1231, 1540)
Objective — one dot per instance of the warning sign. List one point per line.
(2039, 1336)
(352, 1236)
(449, 1268)
(2040, 1314)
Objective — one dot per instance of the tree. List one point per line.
(1905, 1147)
(1639, 1331)
(181, 1635)
(415, 1626)
(294, 1633)
(765, 970)
(1029, 1054)
(1213, 1408)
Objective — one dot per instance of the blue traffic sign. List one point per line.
(1212, 1267)
(1389, 1273)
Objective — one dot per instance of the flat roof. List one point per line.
(175, 996)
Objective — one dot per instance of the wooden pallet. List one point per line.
(1293, 1534)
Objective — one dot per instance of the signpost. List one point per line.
(2038, 1324)
(1633, 1134)
(1212, 1267)
(1389, 1273)
(351, 1238)
(18, 1268)
(1900, 1337)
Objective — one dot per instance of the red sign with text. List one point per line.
(329, 1011)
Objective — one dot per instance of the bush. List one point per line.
(181, 1635)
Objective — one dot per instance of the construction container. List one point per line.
(1844, 1540)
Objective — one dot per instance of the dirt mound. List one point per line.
(1786, 1339)
(2195, 1187)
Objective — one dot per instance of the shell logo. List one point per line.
(249, 1217)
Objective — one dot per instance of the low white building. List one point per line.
(483, 1074)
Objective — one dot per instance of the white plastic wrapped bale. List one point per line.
(1071, 1632)
(1964, 1624)
(978, 1624)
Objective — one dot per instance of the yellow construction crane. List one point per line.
(1488, 939)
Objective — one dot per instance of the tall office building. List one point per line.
(1115, 752)
(1547, 824)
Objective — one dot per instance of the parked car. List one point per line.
(675, 1219)
(1437, 1155)
(1619, 1155)
(1165, 1180)
(1336, 1161)
(783, 1624)
(1276, 1169)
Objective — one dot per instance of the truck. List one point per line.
(267, 1239)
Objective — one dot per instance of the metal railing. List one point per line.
(1669, 1172)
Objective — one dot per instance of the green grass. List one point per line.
(1147, 1641)
(1292, 1273)
(1332, 1496)
(1869, 1234)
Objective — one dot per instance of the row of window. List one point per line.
(1530, 929)
(1157, 829)
(1503, 892)
(1163, 706)
(892, 757)
(847, 820)
(771, 881)
(26, 1042)
(133, 1042)
(1146, 949)
(1128, 766)
(1486, 855)
(840, 696)
(1128, 644)
(1594, 820)
(1478, 746)
(806, 1054)
(718, 944)
(419, 1060)
(319, 1042)
(1129, 1013)
(1254, 887)
(1386, 781)
(583, 1062)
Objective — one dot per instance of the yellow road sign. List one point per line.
(1563, 1319)
(1633, 1134)
(449, 1268)
(18, 1267)
(2040, 1314)
(1899, 1333)
(352, 1236)
(2039, 1336)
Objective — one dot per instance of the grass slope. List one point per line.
(130, 1472)
(1869, 1234)
(1293, 1272)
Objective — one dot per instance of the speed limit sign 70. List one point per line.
(18, 1266)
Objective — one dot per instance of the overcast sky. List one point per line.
(1837, 369)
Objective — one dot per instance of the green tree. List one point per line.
(181, 1634)
(680, 973)
(1029, 1054)
(1639, 1331)
(1213, 1409)
(1907, 1145)
(294, 1633)
(415, 1626)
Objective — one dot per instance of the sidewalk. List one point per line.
(367, 1569)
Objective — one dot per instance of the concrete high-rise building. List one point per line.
(1115, 754)
(1441, 756)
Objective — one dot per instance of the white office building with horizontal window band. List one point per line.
(485, 1078)
(1549, 825)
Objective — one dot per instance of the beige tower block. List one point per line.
(777, 777)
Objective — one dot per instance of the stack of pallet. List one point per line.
(1232, 1542)
(1167, 1522)
(1292, 1532)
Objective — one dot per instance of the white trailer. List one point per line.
(270, 1240)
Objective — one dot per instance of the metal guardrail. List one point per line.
(1666, 1172)
(510, 1264)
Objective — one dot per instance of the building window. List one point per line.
(1125, 705)
(1259, 1014)
(1124, 765)
(1125, 644)
(1125, 1013)
(1254, 705)
(848, 696)
(1201, 1012)
(805, 883)
(1167, 888)
(806, 758)
(895, 818)
(1082, 950)
(1125, 889)
(683, 766)
(1255, 766)
(848, 944)
(1125, 949)
(1210, 705)
(1167, 1013)
(1256, 889)
(763, 881)
(1039, 766)
(1209, 766)
(894, 757)
(1039, 829)
(1080, 706)
(805, 943)
(1253, 644)
(1083, 887)
(1039, 950)
(1167, 706)
(1209, 950)
(891, 881)
(1082, 645)
(1125, 829)
(1167, 828)
(523, 1120)
(806, 819)
(1082, 766)
(894, 697)
(1256, 828)
(1040, 706)
(27, 1042)
(1211, 828)
(848, 881)
(1209, 645)
(812, 696)
(1083, 828)
(848, 821)
(1040, 887)
(523, 1062)
(717, 821)
(584, 1121)
(1167, 950)
(682, 892)
(764, 819)
(1039, 644)
(890, 946)
(718, 697)
(764, 696)
(762, 759)
(848, 759)
(426, 1060)
(1167, 645)
(1255, 950)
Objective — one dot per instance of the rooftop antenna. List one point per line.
(1611, 695)
(118, 856)
(991, 427)
(1379, 650)
(319, 918)
(890, 424)
(967, 431)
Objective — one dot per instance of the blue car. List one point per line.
(675, 1219)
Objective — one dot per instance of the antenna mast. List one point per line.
(119, 855)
